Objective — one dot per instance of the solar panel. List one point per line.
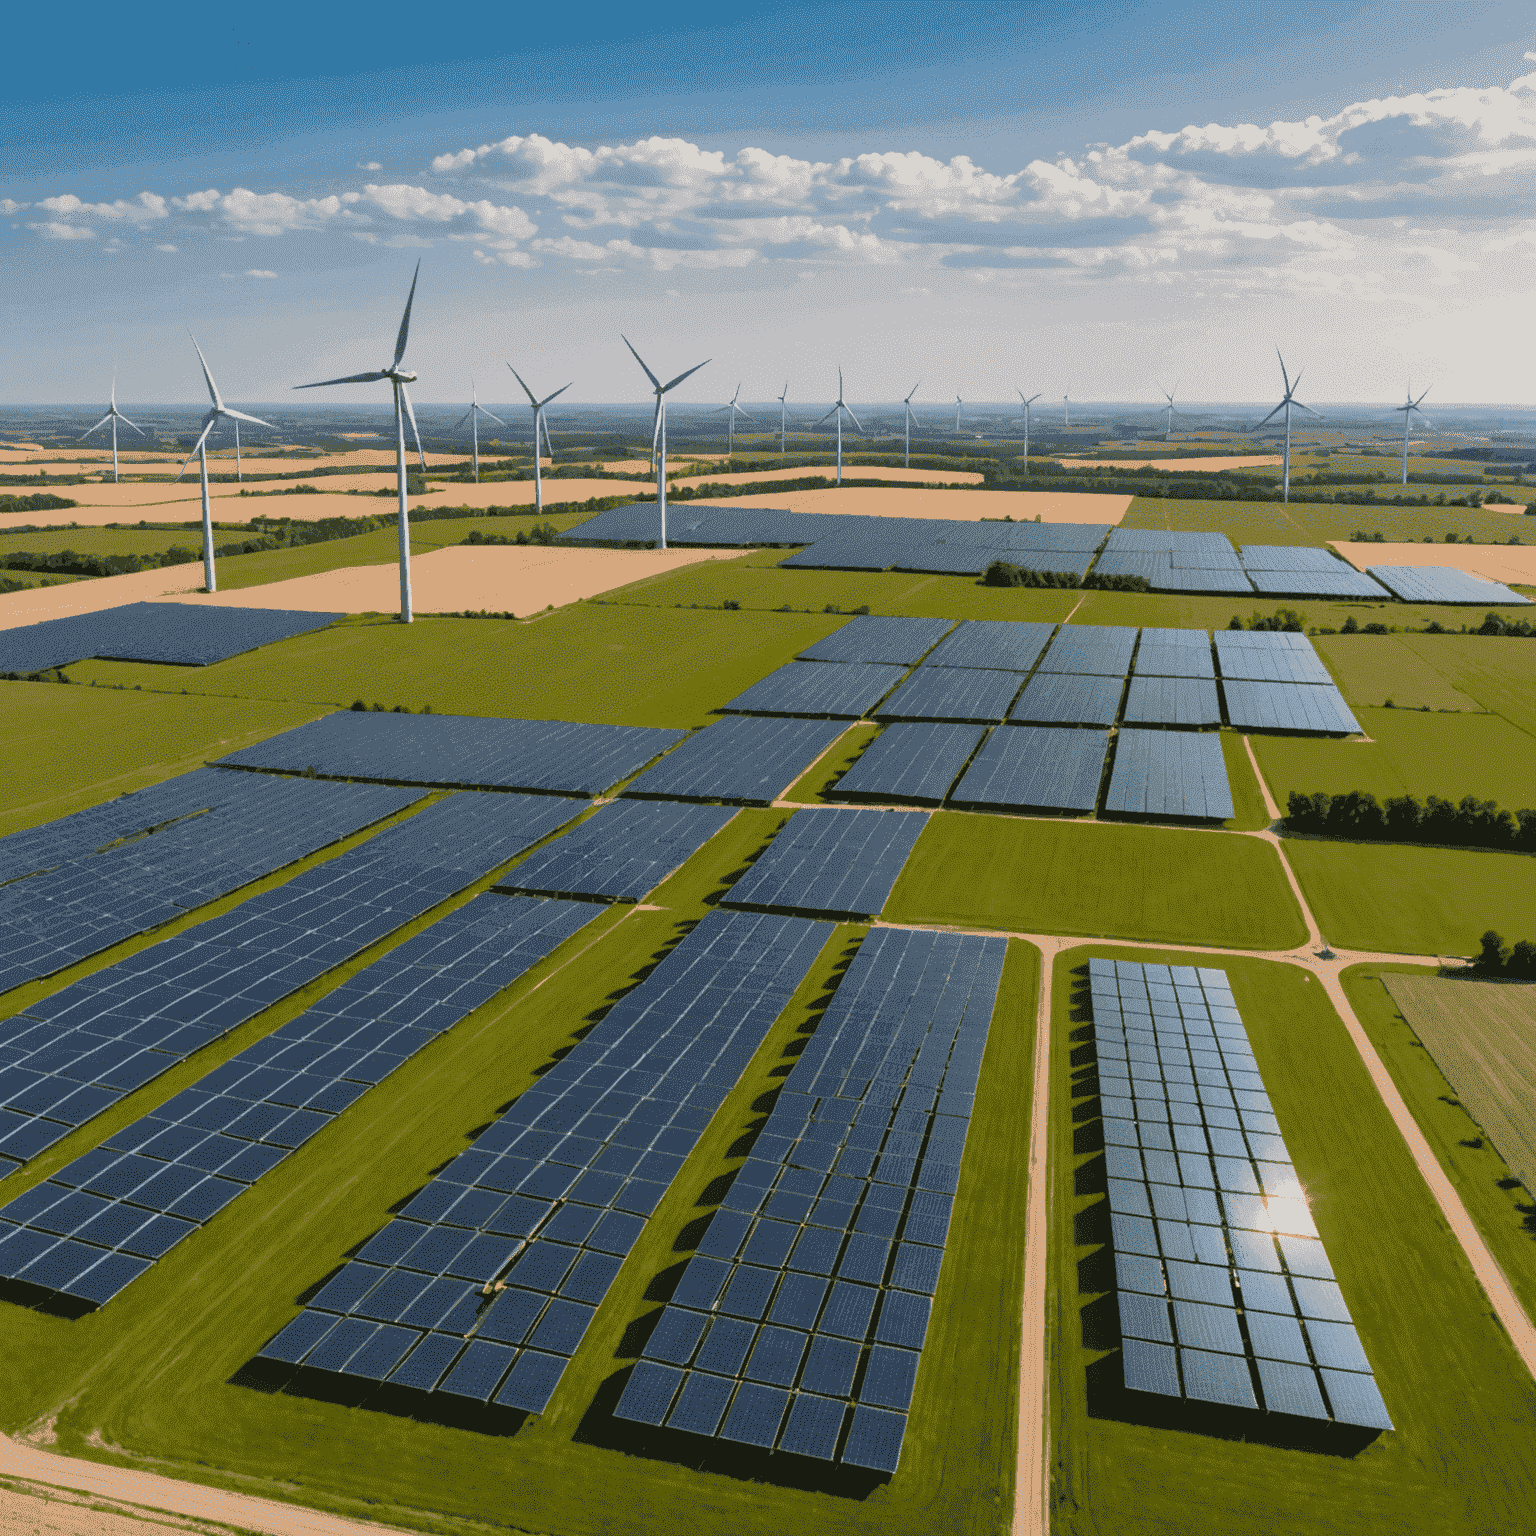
(1104, 650)
(1274, 658)
(814, 1426)
(1341, 582)
(1169, 773)
(1172, 701)
(1442, 584)
(1036, 767)
(1174, 653)
(1289, 707)
(897, 640)
(1289, 557)
(1009, 645)
(959, 694)
(910, 762)
(742, 759)
(814, 688)
(648, 1393)
(875, 1438)
(1064, 698)
(701, 1404)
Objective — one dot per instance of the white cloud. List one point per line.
(258, 272)
(198, 202)
(8, 207)
(144, 209)
(58, 231)
(166, 248)
(369, 165)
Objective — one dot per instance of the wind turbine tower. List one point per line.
(114, 416)
(731, 412)
(398, 378)
(958, 403)
(908, 419)
(200, 452)
(473, 415)
(1285, 405)
(1066, 414)
(1024, 406)
(659, 431)
(837, 411)
(1408, 410)
(538, 417)
(783, 414)
(1168, 427)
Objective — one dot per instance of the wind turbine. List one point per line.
(957, 413)
(1285, 405)
(659, 431)
(114, 416)
(398, 379)
(1168, 429)
(473, 415)
(1024, 406)
(732, 411)
(783, 409)
(906, 427)
(1066, 414)
(1407, 410)
(837, 411)
(200, 452)
(538, 417)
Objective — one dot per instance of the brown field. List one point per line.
(850, 472)
(1252, 462)
(958, 506)
(1518, 508)
(240, 510)
(1482, 1036)
(1497, 562)
(68, 598)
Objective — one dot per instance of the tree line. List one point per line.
(1358, 815)
(1496, 958)
(1002, 574)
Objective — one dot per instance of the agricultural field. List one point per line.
(1495, 671)
(1269, 522)
(1370, 669)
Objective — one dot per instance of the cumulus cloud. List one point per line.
(57, 231)
(258, 272)
(166, 248)
(369, 165)
(8, 207)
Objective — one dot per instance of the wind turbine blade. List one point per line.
(1417, 403)
(405, 395)
(1283, 374)
(405, 320)
(128, 423)
(1308, 409)
(547, 398)
(1034, 397)
(651, 376)
(462, 419)
(913, 391)
(516, 375)
(830, 414)
(679, 379)
(494, 417)
(104, 420)
(351, 378)
(241, 416)
(859, 424)
(207, 428)
(213, 389)
(1274, 412)
(747, 414)
(656, 425)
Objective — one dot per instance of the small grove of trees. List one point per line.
(1002, 574)
(42, 502)
(540, 533)
(1497, 959)
(1494, 624)
(1357, 815)
(1282, 620)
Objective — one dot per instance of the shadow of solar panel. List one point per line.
(811, 688)
(701, 1404)
(1060, 698)
(874, 1440)
(1029, 766)
(747, 758)
(953, 693)
(1289, 707)
(910, 762)
(755, 1415)
(1098, 649)
(899, 640)
(1442, 584)
(1169, 773)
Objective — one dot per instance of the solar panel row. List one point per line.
(1100, 649)
(554, 756)
(896, 640)
(1170, 773)
(952, 693)
(245, 828)
(1031, 767)
(843, 692)
(1339, 582)
(101, 1221)
(745, 759)
(1271, 661)
(1225, 1292)
(831, 862)
(801, 1320)
(68, 1057)
(910, 762)
(1174, 653)
(1288, 707)
(1172, 701)
(1067, 698)
(1442, 584)
(555, 1193)
(1010, 646)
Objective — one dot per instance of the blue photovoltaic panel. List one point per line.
(841, 862)
(1170, 773)
(816, 688)
(553, 1195)
(1339, 582)
(239, 828)
(1101, 649)
(746, 759)
(187, 1159)
(183, 634)
(1172, 701)
(900, 641)
(847, 554)
(1269, 657)
(1442, 584)
(555, 756)
(73, 1054)
(966, 559)
(1191, 548)
(953, 693)
(1174, 653)
(910, 762)
(627, 849)
(1289, 707)
(1215, 1249)
(1290, 557)
(1008, 645)
(833, 1233)
(1069, 698)
(1034, 767)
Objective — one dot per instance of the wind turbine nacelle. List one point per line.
(401, 377)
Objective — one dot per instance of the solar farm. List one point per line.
(672, 1064)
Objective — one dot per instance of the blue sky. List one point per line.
(987, 196)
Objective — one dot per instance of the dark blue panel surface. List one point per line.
(894, 640)
(953, 693)
(1169, 773)
(1033, 766)
(842, 691)
(1011, 646)
(910, 762)
(1063, 698)
(747, 758)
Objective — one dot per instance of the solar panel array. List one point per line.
(1172, 701)
(555, 756)
(1340, 582)
(626, 850)
(801, 1320)
(560, 1187)
(1225, 1292)
(1174, 653)
(1170, 773)
(814, 688)
(879, 640)
(1008, 645)
(1063, 698)
(835, 862)
(1442, 584)
(746, 759)
(252, 826)
(952, 693)
(102, 1221)
(181, 634)
(1101, 649)
(1288, 707)
(945, 558)
(1034, 767)
(1269, 656)
(1289, 557)
(910, 762)
(66, 1058)
(1174, 561)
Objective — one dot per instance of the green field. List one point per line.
(1496, 671)
(1459, 1397)
(1104, 880)
(1370, 669)
(1251, 814)
(1273, 522)
(1392, 898)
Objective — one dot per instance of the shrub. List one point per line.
(1001, 574)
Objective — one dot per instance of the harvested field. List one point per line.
(1483, 1038)
(964, 506)
(850, 472)
(1173, 464)
(1509, 563)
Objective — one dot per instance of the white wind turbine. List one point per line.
(837, 411)
(1066, 413)
(398, 379)
(473, 415)
(1168, 428)
(957, 412)
(783, 416)
(1024, 406)
(114, 416)
(1408, 411)
(731, 412)
(538, 419)
(1285, 405)
(659, 431)
(906, 427)
(200, 452)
